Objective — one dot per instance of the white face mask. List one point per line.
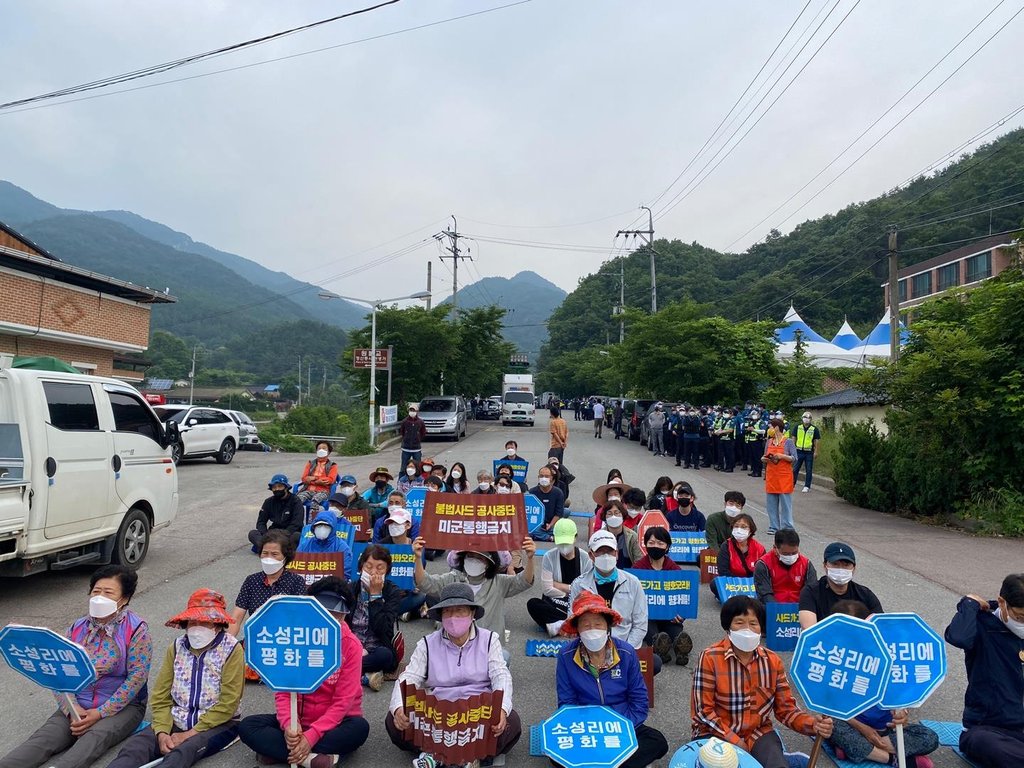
(428, 468)
(566, 549)
(393, 507)
(200, 637)
(473, 567)
(100, 607)
(605, 563)
(485, 486)
(613, 521)
(805, 420)
(731, 511)
(594, 639)
(503, 489)
(271, 565)
(397, 530)
(346, 490)
(456, 474)
(543, 482)
(510, 451)
(410, 471)
(322, 453)
(364, 579)
(321, 532)
(633, 513)
(1017, 627)
(741, 534)
(744, 639)
(789, 559)
(839, 576)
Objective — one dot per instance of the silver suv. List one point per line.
(248, 435)
(444, 415)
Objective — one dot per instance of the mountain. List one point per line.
(829, 268)
(529, 300)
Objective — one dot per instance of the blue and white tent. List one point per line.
(824, 353)
(793, 324)
(877, 342)
(846, 338)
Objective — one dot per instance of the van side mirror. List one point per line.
(192, 422)
(171, 434)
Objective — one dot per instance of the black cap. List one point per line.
(838, 551)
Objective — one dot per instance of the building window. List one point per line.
(948, 276)
(71, 406)
(903, 290)
(922, 284)
(979, 267)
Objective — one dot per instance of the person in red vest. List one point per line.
(782, 572)
(739, 554)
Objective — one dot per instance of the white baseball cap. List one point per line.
(603, 538)
(400, 515)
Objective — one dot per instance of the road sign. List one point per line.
(534, 512)
(918, 659)
(653, 518)
(415, 498)
(294, 643)
(841, 666)
(783, 620)
(46, 658)
(587, 737)
(388, 414)
(361, 358)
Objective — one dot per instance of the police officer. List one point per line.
(806, 436)
(757, 428)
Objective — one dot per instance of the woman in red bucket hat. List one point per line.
(197, 693)
(600, 670)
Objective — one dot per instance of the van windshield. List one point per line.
(519, 397)
(437, 406)
(167, 415)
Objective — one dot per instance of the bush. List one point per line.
(320, 420)
(861, 462)
(274, 436)
(1000, 510)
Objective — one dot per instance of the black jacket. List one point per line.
(383, 612)
(285, 514)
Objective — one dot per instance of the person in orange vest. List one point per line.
(782, 572)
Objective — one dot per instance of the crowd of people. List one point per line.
(587, 595)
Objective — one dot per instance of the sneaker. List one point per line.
(682, 646)
(374, 681)
(321, 761)
(662, 645)
(553, 628)
(424, 760)
(805, 489)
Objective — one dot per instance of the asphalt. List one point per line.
(912, 567)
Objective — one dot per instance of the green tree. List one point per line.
(171, 357)
(796, 378)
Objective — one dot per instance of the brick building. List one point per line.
(51, 308)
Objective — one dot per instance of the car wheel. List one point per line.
(226, 452)
(132, 542)
(177, 451)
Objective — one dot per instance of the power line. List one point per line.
(977, 212)
(943, 210)
(960, 242)
(549, 226)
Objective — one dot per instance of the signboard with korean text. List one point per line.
(362, 527)
(587, 737)
(841, 666)
(46, 658)
(653, 518)
(403, 564)
(669, 593)
(388, 414)
(783, 630)
(520, 468)
(361, 358)
(312, 566)
(918, 659)
(534, 511)
(730, 586)
(687, 546)
(484, 522)
(708, 559)
(454, 732)
(293, 643)
(415, 498)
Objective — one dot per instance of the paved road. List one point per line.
(910, 567)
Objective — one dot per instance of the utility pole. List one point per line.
(622, 301)
(430, 265)
(894, 295)
(456, 254)
(192, 376)
(649, 235)
(299, 401)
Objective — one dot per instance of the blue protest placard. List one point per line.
(520, 468)
(587, 737)
(841, 666)
(414, 501)
(687, 546)
(918, 659)
(534, 512)
(730, 586)
(403, 564)
(293, 643)
(783, 630)
(669, 593)
(46, 658)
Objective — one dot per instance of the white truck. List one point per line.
(517, 404)
(86, 473)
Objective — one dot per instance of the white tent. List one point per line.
(823, 353)
(845, 338)
(877, 342)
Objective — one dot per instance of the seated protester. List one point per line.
(440, 471)
(599, 669)
(348, 496)
(480, 570)
(663, 635)
(377, 496)
(991, 634)
(459, 660)
(400, 528)
(685, 517)
(505, 485)
(738, 682)
(740, 552)
(381, 529)
(552, 499)
(435, 484)
(612, 518)
(458, 479)
(373, 608)
(559, 567)
(426, 469)
(197, 693)
(318, 477)
(331, 722)
(282, 511)
(660, 497)
(634, 501)
(563, 477)
(276, 552)
(610, 491)
(410, 478)
(505, 470)
(484, 482)
(117, 641)
(621, 590)
(782, 573)
(321, 537)
(718, 527)
(818, 599)
(511, 453)
(871, 735)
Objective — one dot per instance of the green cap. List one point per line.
(565, 531)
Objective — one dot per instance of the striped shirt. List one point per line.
(734, 701)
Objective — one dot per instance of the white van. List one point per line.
(86, 473)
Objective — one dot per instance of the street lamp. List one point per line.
(373, 305)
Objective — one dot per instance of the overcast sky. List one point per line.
(552, 112)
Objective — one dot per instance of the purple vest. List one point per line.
(455, 673)
(108, 682)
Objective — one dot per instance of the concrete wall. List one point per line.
(851, 415)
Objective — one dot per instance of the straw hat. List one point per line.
(601, 492)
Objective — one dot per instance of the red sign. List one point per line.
(154, 399)
(646, 655)
(475, 521)
(652, 519)
(454, 732)
(708, 566)
(360, 519)
(313, 567)
(361, 358)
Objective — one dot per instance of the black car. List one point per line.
(633, 416)
(488, 409)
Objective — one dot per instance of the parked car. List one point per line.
(248, 435)
(445, 416)
(635, 411)
(488, 409)
(86, 473)
(203, 432)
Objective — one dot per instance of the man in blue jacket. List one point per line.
(991, 633)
